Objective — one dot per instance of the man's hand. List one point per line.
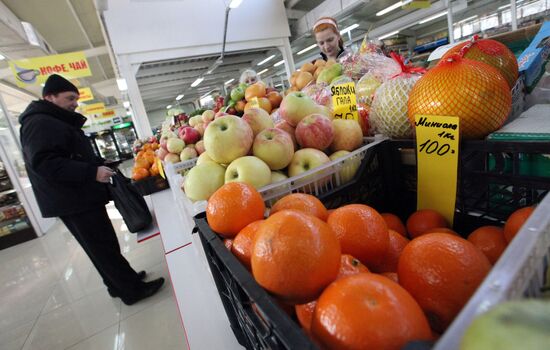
(103, 174)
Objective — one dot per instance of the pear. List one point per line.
(329, 73)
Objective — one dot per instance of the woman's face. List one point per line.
(328, 42)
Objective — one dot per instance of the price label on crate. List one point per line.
(437, 163)
(344, 101)
(160, 168)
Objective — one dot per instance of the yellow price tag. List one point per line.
(437, 150)
(344, 101)
(254, 103)
(160, 167)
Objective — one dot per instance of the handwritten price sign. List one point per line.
(437, 162)
(344, 101)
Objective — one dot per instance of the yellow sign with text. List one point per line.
(33, 71)
(437, 148)
(344, 101)
(85, 94)
(160, 167)
(94, 108)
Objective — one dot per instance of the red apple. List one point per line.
(348, 135)
(189, 135)
(258, 119)
(274, 146)
(283, 125)
(296, 106)
(199, 146)
(315, 131)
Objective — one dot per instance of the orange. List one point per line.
(255, 90)
(423, 220)
(302, 202)
(362, 233)
(391, 275)
(515, 221)
(396, 246)
(368, 311)
(154, 169)
(228, 243)
(441, 230)
(349, 266)
(295, 256)
(490, 240)
(232, 207)
(242, 243)
(139, 174)
(441, 271)
(394, 223)
(142, 162)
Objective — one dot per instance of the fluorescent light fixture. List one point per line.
(31, 34)
(389, 8)
(262, 72)
(504, 7)
(122, 85)
(197, 82)
(2, 57)
(467, 19)
(431, 18)
(349, 29)
(179, 97)
(388, 35)
(229, 81)
(266, 60)
(279, 63)
(169, 106)
(233, 4)
(126, 104)
(307, 49)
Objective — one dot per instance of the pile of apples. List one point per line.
(310, 73)
(259, 151)
(243, 98)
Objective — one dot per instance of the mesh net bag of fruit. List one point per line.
(320, 93)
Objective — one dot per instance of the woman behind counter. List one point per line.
(328, 38)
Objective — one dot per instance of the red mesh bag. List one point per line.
(471, 90)
(491, 52)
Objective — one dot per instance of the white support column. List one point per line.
(287, 56)
(450, 22)
(514, 14)
(139, 117)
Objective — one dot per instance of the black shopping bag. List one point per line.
(129, 203)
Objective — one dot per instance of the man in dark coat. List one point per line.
(69, 182)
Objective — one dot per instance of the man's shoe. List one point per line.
(141, 275)
(146, 290)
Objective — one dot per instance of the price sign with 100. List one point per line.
(344, 101)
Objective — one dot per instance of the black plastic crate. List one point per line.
(151, 185)
(387, 184)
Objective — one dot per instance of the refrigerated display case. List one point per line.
(125, 135)
(106, 145)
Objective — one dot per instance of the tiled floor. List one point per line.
(53, 298)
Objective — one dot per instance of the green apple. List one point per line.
(175, 145)
(249, 169)
(277, 176)
(274, 146)
(258, 119)
(227, 139)
(237, 93)
(204, 158)
(203, 180)
(188, 153)
(349, 166)
(305, 160)
(296, 106)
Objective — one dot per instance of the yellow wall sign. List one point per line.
(32, 71)
(94, 108)
(344, 101)
(85, 94)
(437, 150)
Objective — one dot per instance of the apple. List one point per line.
(274, 146)
(315, 131)
(203, 180)
(274, 98)
(349, 166)
(258, 119)
(172, 158)
(195, 120)
(161, 153)
(348, 135)
(200, 128)
(249, 169)
(283, 125)
(189, 135)
(208, 115)
(296, 106)
(199, 147)
(175, 145)
(227, 139)
(239, 106)
(305, 160)
(324, 110)
(237, 93)
(188, 153)
(204, 157)
(277, 176)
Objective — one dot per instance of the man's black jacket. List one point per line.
(60, 161)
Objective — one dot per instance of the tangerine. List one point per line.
(490, 240)
(139, 174)
(516, 221)
(232, 207)
(441, 230)
(394, 223)
(302, 202)
(142, 162)
(242, 243)
(396, 246)
(423, 220)
(391, 275)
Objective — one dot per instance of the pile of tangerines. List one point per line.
(145, 162)
(354, 277)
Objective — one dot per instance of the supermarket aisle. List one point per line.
(52, 298)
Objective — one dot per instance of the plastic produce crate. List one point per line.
(388, 183)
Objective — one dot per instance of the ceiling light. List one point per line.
(229, 81)
(169, 106)
(349, 29)
(441, 14)
(197, 82)
(262, 72)
(467, 19)
(266, 60)
(122, 85)
(307, 49)
(233, 4)
(2, 57)
(388, 35)
(279, 63)
(126, 104)
(390, 8)
(179, 97)
(505, 6)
